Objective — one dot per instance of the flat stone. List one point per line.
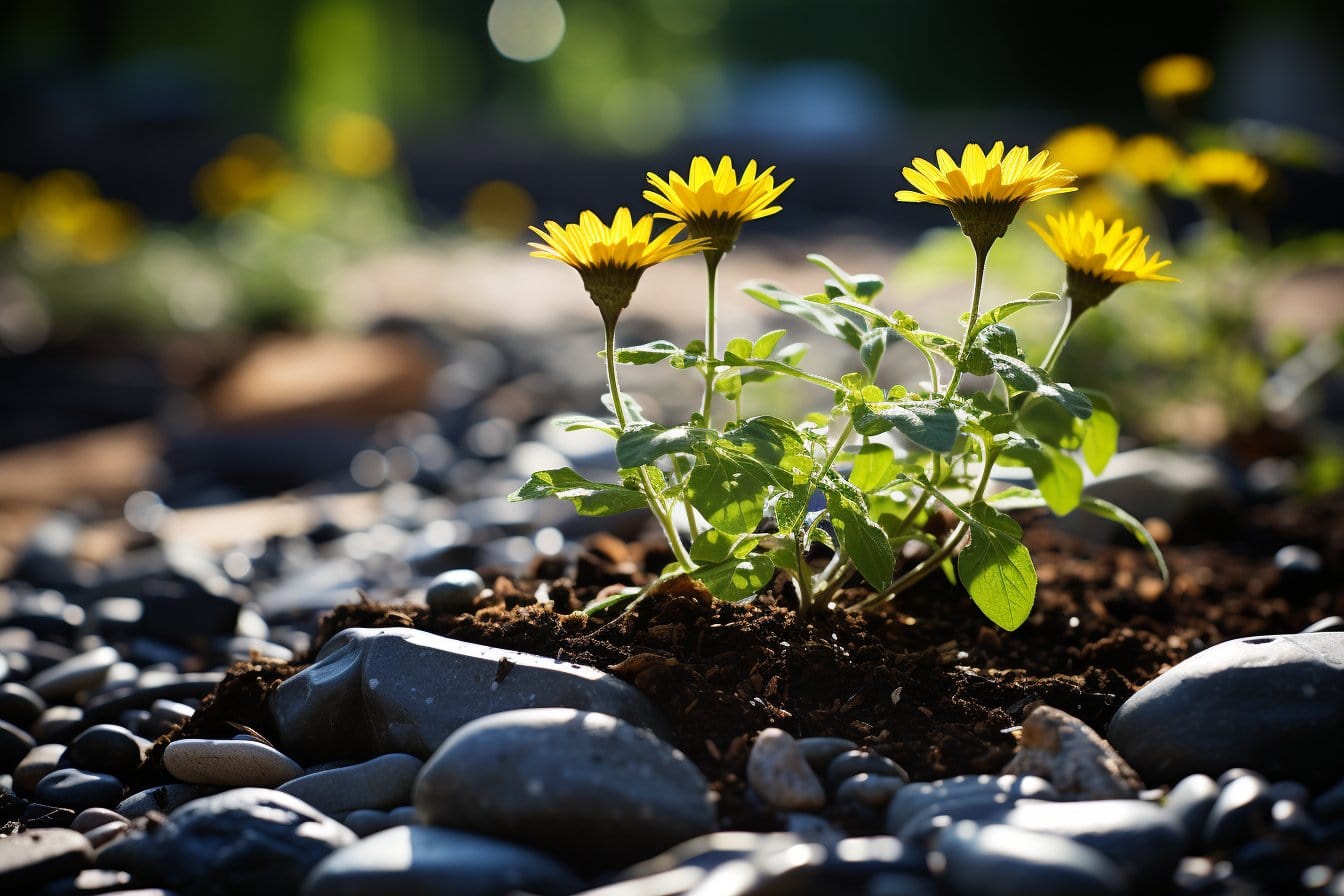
(1266, 703)
(376, 691)
(32, 858)
(79, 673)
(581, 782)
(73, 789)
(914, 799)
(1061, 749)
(248, 840)
(779, 774)
(428, 861)
(998, 860)
(382, 783)
(1143, 840)
(228, 763)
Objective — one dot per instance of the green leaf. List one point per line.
(791, 507)
(1101, 433)
(996, 568)
(729, 385)
(763, 346)
(1058, 476)
(864, 540)
(873, 348)
(827, 320)
(625, 595)
(768, 439)
(929, 424)
(573, 422)
(999, 344)
(711, 546)
(648, 353)
(734, 360)
(729, 490)
(633, 412)
(1108, 511)
(736, 579)
(739, 346)
(1050, 423)
(864, 287)
(644, 445)
(997, 315)
(874, 466)
(588, 497)
(1015, 497)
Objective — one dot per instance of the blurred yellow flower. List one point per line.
(498, 209)
(1099, 258)
(1176, 77)
(612, 259)
(1149, 159)
(714, 204)
(358, 145)
(63, 218)
(1086, 150)
(253, 170)
(1227, 170)
(985, 191)
(1099, 200)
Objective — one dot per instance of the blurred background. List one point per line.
(256, 245)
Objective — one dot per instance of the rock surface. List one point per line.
(376, 691)
(1071, 756)
(382, 783)
(31, 858)
(998, 860)
(1266, 703)
(228, 763)
(778, 772)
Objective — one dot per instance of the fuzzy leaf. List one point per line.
(648, 353)
(588, 497)
(1101, 433)
(827, 320)
(996, 568)
(929, 424)
(729, 491)
(1108, 511)
(736, 579)
(644, 445)
(864, 540)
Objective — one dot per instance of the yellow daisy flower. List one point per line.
(1086, 150)
(1099, 258)
(611, 259)
(1149, 159)
(1227, 171)
(714, 204)
(1177, 77)
(985, 191)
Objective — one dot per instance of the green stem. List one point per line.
(646, 485)
(826, 467)
(981, 254)
(712, 259)
(1057, 347)
(804, 577)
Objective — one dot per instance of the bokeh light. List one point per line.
(498, 209)
(358, 145)
(526, 30)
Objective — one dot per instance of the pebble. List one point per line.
(31, 858)
(58, 724)
(19, 704)
(164, 798)
(14, 745)
(106, 833)
(864, 789)
(428, 861)
(368, 821)
(106, 748)
(778, 773)
(916, 798)
(228, 763)
(93, 818)
(854, 762)
(70, 788)
(1190, 801)
(1061, 749)
(248, 840)
(382, 783)
(376, 691)
(79, 673)
(998, 860)
(454, 591)
(40, 761)
(1240, 812)
(819, 751)
(578, 781)
(1267, 703)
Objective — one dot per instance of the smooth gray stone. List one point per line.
(241, 841)
(376, 691)
(164, 798)
(19, 704)
(1190, 801)
(94, 818)
(427, 861)
(1144, 840)
(1160, 482)
(998, 860)
(862, 857)
(1241, 811)
(819, 751)
(71, 788)
(367, 821)
(15, 743)
(791, 872)
(780, 775)
(453, 591)
(1266, 703)
(711, 850)
(110, 704)
(31, 858)
(106, 748)
(382, 783)
(583, 782)
(983, 808)
(856, 762)
(228, 763)
(915, 798)
(58, 724)
(873, 791)
(79, 673)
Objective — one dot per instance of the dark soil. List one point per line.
(928, 681)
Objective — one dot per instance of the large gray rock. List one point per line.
(376, 691)
(582, 782)
(998, 860)
(1272, 704)
(425, 861)
(381, 783)
(241, 842)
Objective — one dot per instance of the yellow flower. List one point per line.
(1099, 259)
(1086, 150)
(1149, 159)
(611, 259)
(358, 146)
(1098, 199)
(1176, 77)
(985, 191)
(1227, 171)
(714, 204)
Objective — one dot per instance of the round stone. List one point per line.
(19, 704)
(106, 748)
(454, 591)
(229, 763)
(855, 762)
(779, 774)
(70, 788)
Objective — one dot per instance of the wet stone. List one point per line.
(779, 774)
(32, 858)
(71, 788)
(454, 591)
(854, 762)
(229, 763)
(382, 783)
(578, 781)
(998, 860)
(106, 748)
(428, 861)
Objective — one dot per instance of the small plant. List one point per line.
(868, 475)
